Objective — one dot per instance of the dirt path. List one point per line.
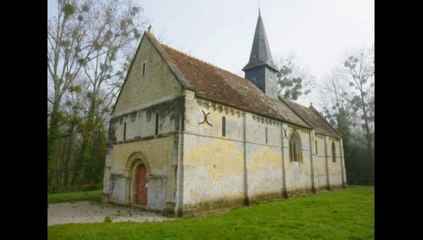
(89, 212)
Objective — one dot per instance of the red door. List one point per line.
(141, 195)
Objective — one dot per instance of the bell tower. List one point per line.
(261, 70)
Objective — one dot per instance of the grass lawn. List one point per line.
(74, 196)
(339, 214)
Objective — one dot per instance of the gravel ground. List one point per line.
(89, 212)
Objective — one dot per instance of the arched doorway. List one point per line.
(141, 185)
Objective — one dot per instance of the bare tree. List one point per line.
(93, 41)
(294, 81)
(360, 71)
(348, 99)
(119, 31)
(67, 37)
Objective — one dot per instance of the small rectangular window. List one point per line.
(333, 152)
(124, 131)
(157, 124)
(223, 126)
(266, 134)
(143, 68)
(315, 142)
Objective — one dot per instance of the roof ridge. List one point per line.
(210, 80)
(287, 102)
(292, 102)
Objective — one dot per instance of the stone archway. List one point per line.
(137, 172)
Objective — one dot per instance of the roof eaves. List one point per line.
(295, 112)
(261, 63)
(251, 111)
(325, 121)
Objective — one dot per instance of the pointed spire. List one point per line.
(260, 52)
(258, 2)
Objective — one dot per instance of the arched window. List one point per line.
(223, 126)
(295, 150)
(333, 152)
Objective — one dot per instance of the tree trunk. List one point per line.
(82, 166)
(53, 135)
(368, 138)
(68, 155)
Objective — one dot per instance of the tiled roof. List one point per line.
(313, 118)
(218, 85)
(221, 86)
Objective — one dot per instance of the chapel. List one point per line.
(187, 136)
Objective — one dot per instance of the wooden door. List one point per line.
(141, 188)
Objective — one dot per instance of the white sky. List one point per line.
(221, 32)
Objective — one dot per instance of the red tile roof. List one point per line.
(218, 85)
(221, 86)
(313, 118)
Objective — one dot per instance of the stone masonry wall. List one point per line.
(142, 98)
(223, 170)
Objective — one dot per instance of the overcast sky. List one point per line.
(221, 31)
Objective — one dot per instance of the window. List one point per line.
(295, 150)
(124, 131)
(333, 152)
(143, 68)
(266, 134)
(157, 124)
(223, 126)
(315, 143)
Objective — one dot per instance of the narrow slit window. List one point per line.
(315, 143)
(157, 124)
(266, 134)
(223, 126)
(333, 152)
(143, 68)
(124, 131)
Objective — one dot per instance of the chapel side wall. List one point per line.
(264, 159)
(335, 174)
(214, 172)
(298, 174)
(212, 163)
(319, 162)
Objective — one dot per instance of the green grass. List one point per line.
(74, 196)
(339, 214)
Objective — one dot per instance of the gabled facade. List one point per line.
(186, 136)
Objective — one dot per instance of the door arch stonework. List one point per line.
(131, 171)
